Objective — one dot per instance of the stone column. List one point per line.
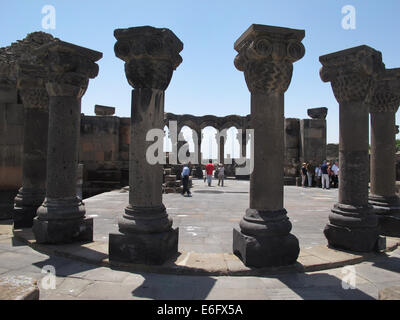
(243, 139)
(198, 172)
(197, 144)
(220, 138)
(31, 85)
(384, 100)
(145, 230)
(61, 218)
(266, 55)
(352, 224)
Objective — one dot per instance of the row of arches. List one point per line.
(209, 146)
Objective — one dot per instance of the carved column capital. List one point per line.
(244, 136)
(266, 55)
(151, 55)
(31, 83)
(69, 68)
(350, 72)
(220, 135)
(384, 95)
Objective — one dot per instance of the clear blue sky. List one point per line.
(207, 81)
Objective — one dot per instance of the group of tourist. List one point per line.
(210, 168)
(325, 175)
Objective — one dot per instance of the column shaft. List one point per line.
(353, 154)
(145, 179)
(63, 142)
(243, 143)
(34, 159)
(383, 163)
(221, 157)
(266, 181)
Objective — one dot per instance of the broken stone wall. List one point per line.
(100, 153)
(11, 141)
(292, 151)
(313, 140)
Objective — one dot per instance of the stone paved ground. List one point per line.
(206, 220)
(76, 280)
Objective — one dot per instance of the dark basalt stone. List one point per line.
(317, 113)
(143, 248)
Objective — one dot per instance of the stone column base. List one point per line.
(26, 204)
(23, 216)
(353, 239)
(265, 251)
(7, 203)
(390, 225)
(353, 228)
(63, 231)
(388, 211)
(143, 248)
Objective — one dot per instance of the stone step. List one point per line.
(170, 178)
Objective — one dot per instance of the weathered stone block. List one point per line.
(170, 178)
(317, 113)
(313, 140)
(103, 110)
(354, 239)
(390, 224)
(8, 96)
(10, 177)
(265, 251)
(63, 231)
(13, 136)
(7, 203)
(146, 248)
(15, 114)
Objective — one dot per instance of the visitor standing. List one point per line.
(335, 176)
(185, 180)
(325, 175)
(303, 175)
(318, 176)
(221, 174)
(209, 171)
(310, 171)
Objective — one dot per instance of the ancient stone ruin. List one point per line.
(50, 151)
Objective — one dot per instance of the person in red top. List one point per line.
(209, 171)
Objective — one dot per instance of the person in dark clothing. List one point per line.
(303, 175)
(325, 175)
(185, 180)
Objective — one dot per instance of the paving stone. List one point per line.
(18, 288)
(69, 286)
(108, 291)
(229, 294)
(375, 274)
(102, 274)
(390, 293)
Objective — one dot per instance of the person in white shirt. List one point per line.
(335, 176)
(221, 174)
